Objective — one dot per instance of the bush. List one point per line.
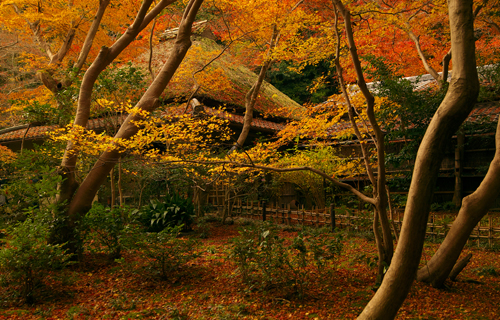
(27, 257)
(108, 227)
(174, 211)
(263, 258)
(165, 252)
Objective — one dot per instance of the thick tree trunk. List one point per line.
(454, 109)
(104, 58)
(474, 208)
(81, 202)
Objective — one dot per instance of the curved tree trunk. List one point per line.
(454, 109)
(384, 242)
(81, 202)
(104, 58)
(474, 208)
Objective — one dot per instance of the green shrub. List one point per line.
(174, 211)
(266, 260)
(33, 187)
(486, 271)
(27, 257)
(165, 252)
(108, 227)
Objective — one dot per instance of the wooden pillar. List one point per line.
(332, 217)
(283, 213)
(289, 214)
(490, 230)
(303, 213)
(263, 211)
(459, 155)
(317, 216)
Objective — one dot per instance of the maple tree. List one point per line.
(265, 28)
(135, 134)
(454, 109)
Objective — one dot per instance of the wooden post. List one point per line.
(289, 214)
(433, 220)
(259, 209)
(478, 233)
(303, 213)
(263, 211)
(459, 155)
(332, 217)
(283, 213)
(348, 216)
(317, 216)
(490, 229)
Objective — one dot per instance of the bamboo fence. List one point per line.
(488, 229)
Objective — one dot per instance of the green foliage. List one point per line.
(296, 84)
(174, 211)
(27, 256)
(32, 184)
(486, 271)
(414, 114)
(309, 184)
(36, 112)
(202, 227)
(165, 252)
(264, 259)
(369, 259)
(120, 84)
(490, 82)
(107, 226)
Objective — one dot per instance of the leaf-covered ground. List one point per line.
(209, 287)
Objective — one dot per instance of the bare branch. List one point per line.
(150, 60)
(89, 39)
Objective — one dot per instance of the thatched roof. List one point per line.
(225, 81)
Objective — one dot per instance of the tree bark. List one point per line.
(82, 200)
(454, 109)
(474, 208)
(459, 266)
(421, 54)
(253, 93)
(104, 58)
(379, 184)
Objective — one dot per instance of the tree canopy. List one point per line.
(76, 60)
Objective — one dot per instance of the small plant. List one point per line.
(174, 211)
(76, 312)
(123, 303)
(202, 228)
(487, 271)
(27, 257)
(107, 225)
(264, 258)
(166, 252)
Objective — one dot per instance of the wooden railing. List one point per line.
(360, 220)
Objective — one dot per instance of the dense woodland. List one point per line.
(120, 123)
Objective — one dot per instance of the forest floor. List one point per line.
(209, 287)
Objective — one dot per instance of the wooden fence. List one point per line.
(487, 230)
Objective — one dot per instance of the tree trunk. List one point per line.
(474, 208)
(103, 59)
(81, 202)
(386, 247)
(454, 109)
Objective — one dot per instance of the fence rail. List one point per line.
(358, 220)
